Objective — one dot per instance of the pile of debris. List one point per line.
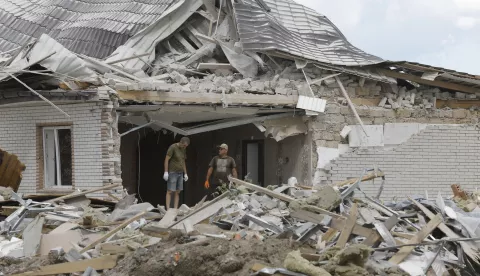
(284, 230)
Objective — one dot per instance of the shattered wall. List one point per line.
(414, 166)
(431, 161)
(92, 141)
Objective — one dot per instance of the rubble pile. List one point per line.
(287, 229)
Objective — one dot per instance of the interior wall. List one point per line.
(294, 158)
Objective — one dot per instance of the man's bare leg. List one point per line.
(177, 199)
(167, 200)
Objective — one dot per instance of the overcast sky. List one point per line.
(443, 33)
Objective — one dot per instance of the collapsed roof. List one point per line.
(97, 28)
(91, 27)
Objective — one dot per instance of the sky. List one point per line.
(443, 33)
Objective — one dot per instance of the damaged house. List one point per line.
(92, 94)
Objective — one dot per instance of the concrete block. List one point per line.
(345, 131)
(460, 113)
(375, 138)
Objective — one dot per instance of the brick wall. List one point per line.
(429, 161)
(94, 151)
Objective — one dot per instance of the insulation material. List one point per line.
(63, 61)
(373, 137)
(285, 127)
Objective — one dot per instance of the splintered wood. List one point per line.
(348, 228)
(418, 238)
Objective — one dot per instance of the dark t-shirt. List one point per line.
(222, 168)
(177, 158)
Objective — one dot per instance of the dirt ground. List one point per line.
(216, 257)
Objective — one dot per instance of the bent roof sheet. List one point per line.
(297, 30)
(91, 27)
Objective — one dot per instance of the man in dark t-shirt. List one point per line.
(221, 166)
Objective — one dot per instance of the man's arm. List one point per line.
(209, 173)
(184, 167)
(234, 168)
(165, 164)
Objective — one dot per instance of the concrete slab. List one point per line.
(373, 138)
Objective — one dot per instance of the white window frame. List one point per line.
(57, 157)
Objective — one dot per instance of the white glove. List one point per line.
(185, 177)
(165, 176)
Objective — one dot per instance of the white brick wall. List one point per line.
(432, 160)
(18, 127)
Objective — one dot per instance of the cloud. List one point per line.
(467, 5)
(466, 22)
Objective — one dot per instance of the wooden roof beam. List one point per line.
(442, 84)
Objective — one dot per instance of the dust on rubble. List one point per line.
(216, 257)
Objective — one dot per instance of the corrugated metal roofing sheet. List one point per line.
(297, 30)
(91, 27)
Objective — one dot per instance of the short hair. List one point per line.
(185, 140)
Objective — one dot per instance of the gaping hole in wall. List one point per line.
(260, 159)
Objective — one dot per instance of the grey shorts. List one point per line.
(175, 181)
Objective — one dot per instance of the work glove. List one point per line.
(207, 184)
(185, 177)
(165, 176)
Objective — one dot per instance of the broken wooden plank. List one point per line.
(113, 231)
(215, 66)
(367, 177)
(419, 237)
(374, 239)
(205, 213)
(222, 196)
(403, 235)
(467, 248)
(348, 228)
(465, 104)
(73, 195)
(385, 233)
(208, 98)
(105, 262)
(108, 248)
(329, 235)
(435, 83)
(336, 223)
(263, 190)
(168, 218)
